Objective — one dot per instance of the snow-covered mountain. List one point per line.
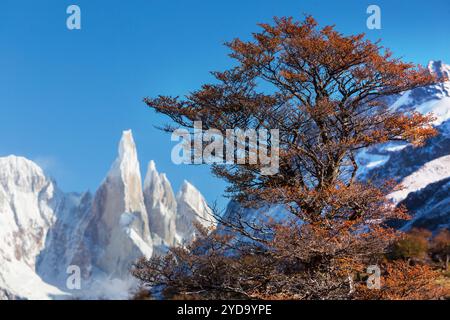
(27, 198)
(191, 203)
(162, 207)
(118, 225)
(421, 171)
(424, 172)
(43, 230)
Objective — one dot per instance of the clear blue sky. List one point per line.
(66, 96)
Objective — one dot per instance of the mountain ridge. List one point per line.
(47, 230)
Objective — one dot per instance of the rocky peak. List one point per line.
(439, 69)
(192, 208)
(161, 206)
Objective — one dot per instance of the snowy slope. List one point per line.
(431, 172)
(430, 205)
(20, 281)
(26, 215)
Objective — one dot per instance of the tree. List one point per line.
(326, 99)
(440, 247)
(402, 281)
(312, 264)
(413, 245)
(304, 261)
(325, 93)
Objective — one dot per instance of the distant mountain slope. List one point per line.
(423, 170)
(431, 206)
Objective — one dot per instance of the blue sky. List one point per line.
(66, 96)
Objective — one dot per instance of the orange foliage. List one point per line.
(401, 281)
(326, 99)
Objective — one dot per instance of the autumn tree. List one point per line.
(325, 93)
(401, 281)
(440, 247)
(298, 261)
(413, 245)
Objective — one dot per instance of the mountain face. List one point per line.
(162, 208)
(44, 231)
(118, 222)
(26, 216)
(195, 211)
(424, 172)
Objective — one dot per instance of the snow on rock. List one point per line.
(434, 99)
(43, 230)
(431, 172)
(119, 198)
(25, 211)
(63, 239)
(440, 108)
(439, 69)
(161, 207)
(192, 208)
(431, 206)
(26, 215)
